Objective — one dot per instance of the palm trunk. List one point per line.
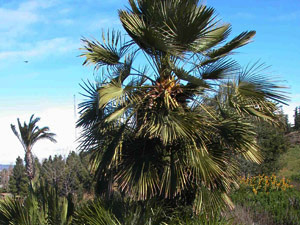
(29, 165)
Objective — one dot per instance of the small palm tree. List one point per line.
(28, 135)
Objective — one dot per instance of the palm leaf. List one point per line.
(105, 53)
(94, 214)
(239, 41)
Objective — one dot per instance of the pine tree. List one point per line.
(19, 183)
(67, 176)
(297, 118)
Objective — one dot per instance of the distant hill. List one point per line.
(2, 166)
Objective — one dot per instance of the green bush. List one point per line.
(282, 206)
(296, 177)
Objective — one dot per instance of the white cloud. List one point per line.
(27, 13)
(41, 49)
(16, 18)
(289, 110)
(36, 4)
(287, 17)
(16, 23)
(59, 119)
(66, 22)
(19, 23)
(98, 24)
(243, 15)
(65, 11)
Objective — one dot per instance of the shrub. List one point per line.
(270, 197)
(295, 177)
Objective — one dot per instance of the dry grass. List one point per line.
(290, 162)
(245, 216)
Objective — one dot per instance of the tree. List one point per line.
(79, 175)
(53, 171)
(273, 143)
(5, 174)
(169, 128)
(18, 182)
(28, 135)
(297, 119)
(68, 176)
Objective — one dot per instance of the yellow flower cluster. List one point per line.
(263, 183)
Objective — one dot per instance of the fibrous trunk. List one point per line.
(29, 165)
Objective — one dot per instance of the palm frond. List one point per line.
(253, 81)
(138, 173)
(219, 70)
(13, 127)
(207, 201)
(186, 76)
(94, 214)
(48, 136)
(109, 52)
(239, 41)
(211, 38)
(89, 109)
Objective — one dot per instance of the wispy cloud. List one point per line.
(287, 17)
(66, 22)
(17, 22)
(25, 14)
(100, 23)
(16, 19)
(36, 4)
(244, 15)
(41, 49)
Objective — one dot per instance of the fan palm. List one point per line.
(175, 124)
(28, 135)
(42, 206)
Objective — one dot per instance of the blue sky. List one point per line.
(47, 34)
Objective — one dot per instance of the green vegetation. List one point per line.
(164, 138)
(68, 176)
(273, 143)
(290, 163)
(118, 211)
(40, 207)
(18, 182)
(269, 200)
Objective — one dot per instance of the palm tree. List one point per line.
(28, 135)
(172, 123)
